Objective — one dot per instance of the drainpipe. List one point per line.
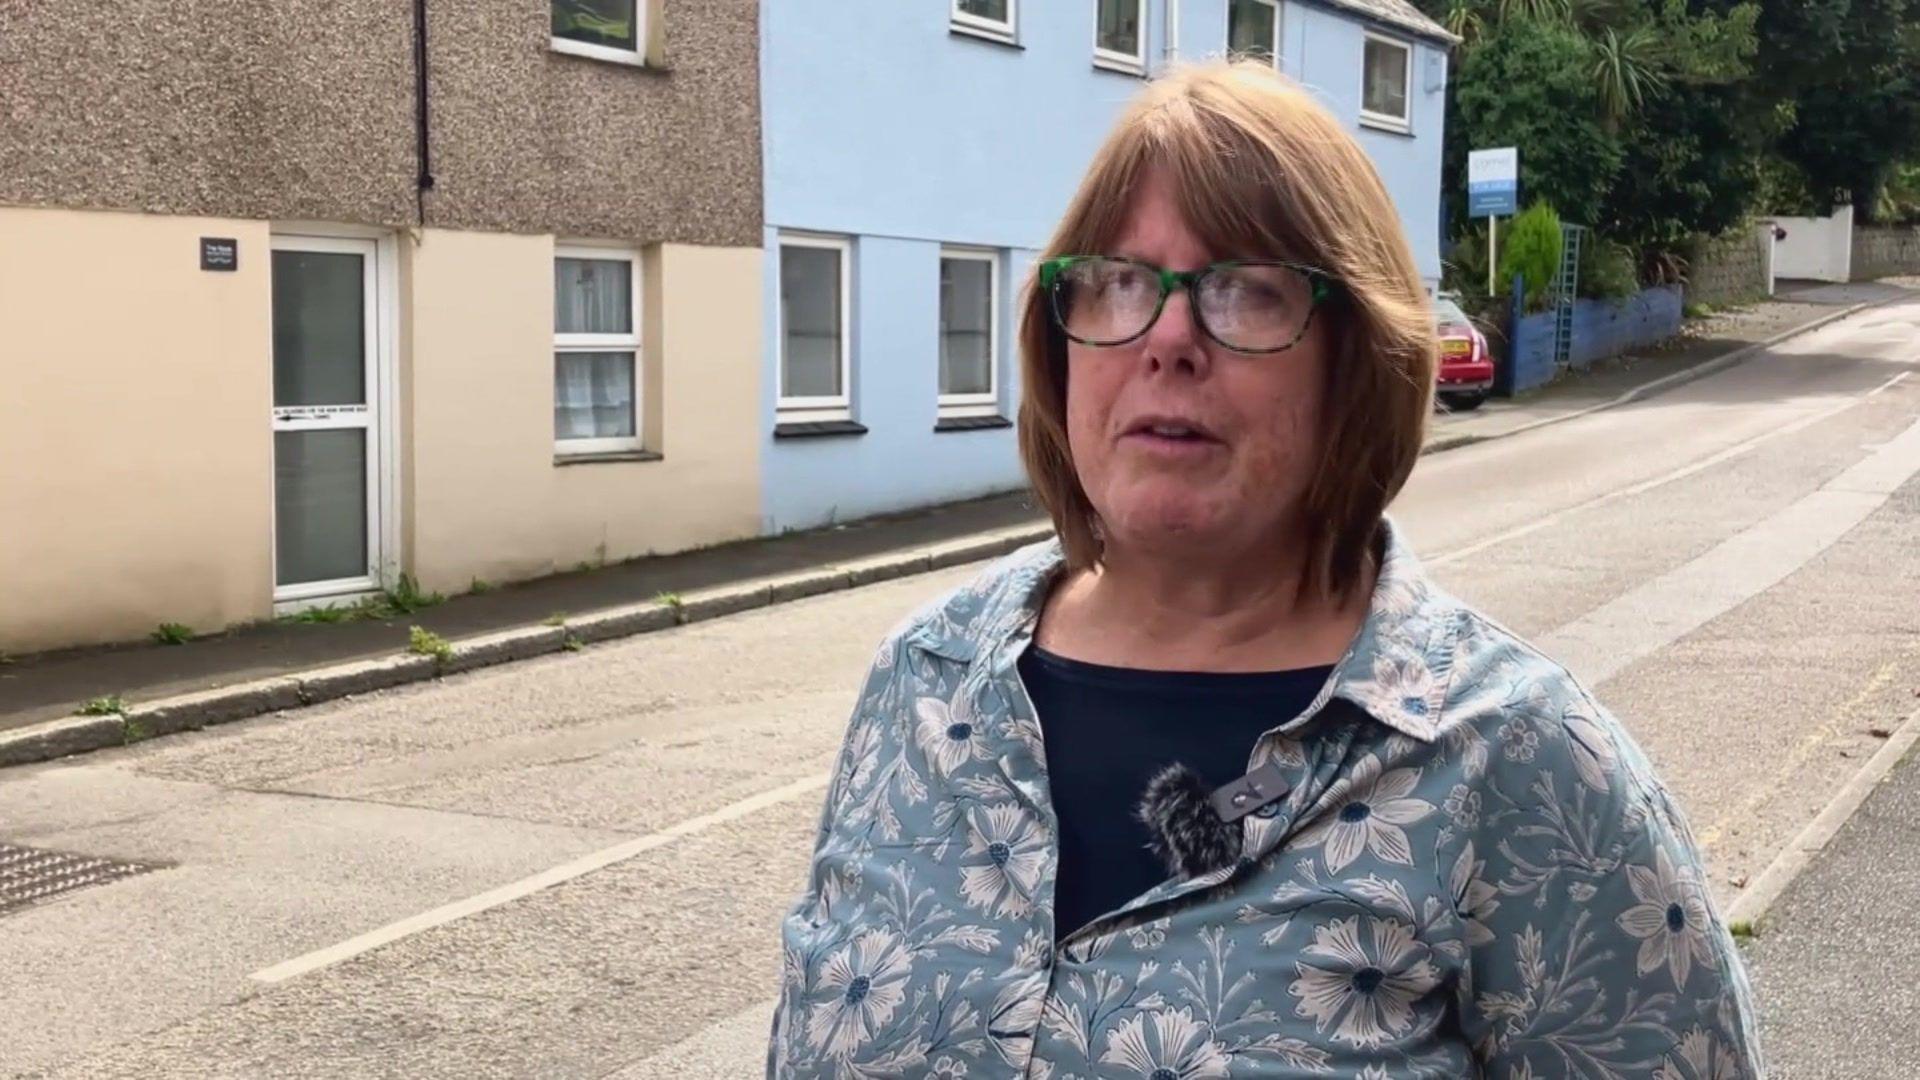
(423, 179)
(1172, 46)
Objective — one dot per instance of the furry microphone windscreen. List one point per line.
(1185, 832)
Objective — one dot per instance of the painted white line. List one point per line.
(1752, 904)
(1641, 621)
(586, 864)
(1681, 473)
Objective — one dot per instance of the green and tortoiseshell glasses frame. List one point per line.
(1254, 306)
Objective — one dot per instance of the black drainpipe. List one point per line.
(423, 182)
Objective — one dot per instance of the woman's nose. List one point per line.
(1175, 338)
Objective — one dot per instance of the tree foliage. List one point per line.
(1528, 83)
(1848, 76)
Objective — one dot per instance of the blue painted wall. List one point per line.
(882, 125)
(1322, 47)
(1601, 329)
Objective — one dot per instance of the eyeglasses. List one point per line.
(1247, 305)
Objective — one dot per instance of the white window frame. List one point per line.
(980, 26)
(1388, 121)
(635, 57)
(838, 406)
(1274, 45)
(629, 342)
(1127, 63)
(988, 403)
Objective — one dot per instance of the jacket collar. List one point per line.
(1396, 670)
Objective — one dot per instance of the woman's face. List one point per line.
(1230, 487)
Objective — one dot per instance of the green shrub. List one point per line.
(1531, 249)
(1608, 271)
(1464, 272)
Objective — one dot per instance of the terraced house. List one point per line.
(918, 154)
(297, 296)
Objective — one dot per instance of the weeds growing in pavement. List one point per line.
(424, 642)
(111, 705)
(172, 633)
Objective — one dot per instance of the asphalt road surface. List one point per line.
(575, 866)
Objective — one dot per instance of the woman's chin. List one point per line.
(1170, 519)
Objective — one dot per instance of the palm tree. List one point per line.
(1627, 67)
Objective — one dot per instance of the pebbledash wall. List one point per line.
(137, 449)
(934, 134)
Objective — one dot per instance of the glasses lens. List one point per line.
(1105, 301)
(1255, 307)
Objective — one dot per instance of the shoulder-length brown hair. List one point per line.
(1260, 169)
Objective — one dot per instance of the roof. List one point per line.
(1399, 14)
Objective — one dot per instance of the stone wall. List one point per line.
(1885, 252)
(1731, 268)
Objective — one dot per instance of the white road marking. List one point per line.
(1663, 479)
(586, 864)
(1647, 618)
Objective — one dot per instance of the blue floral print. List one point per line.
(1474, 872)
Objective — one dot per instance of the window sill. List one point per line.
(1133, 69)
(605, 457)
(972, 423)
(606, 55)
(981, 33)
(1386, 125)
(816, 429)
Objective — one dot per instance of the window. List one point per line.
(987, 18)
(1119, 36)
(1387, 70)
(1253, 28)
(596, 351)
(969, 332)
(815, 353)
(603, 29)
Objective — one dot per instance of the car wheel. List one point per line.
(1464, 402)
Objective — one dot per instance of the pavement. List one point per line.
(1835, 960)
(274, 665)
(575, 865)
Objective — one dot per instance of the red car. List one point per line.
(1466, 367)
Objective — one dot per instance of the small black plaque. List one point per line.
(219, 253)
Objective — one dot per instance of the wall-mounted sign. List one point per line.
(1493, 182)
(219, 253)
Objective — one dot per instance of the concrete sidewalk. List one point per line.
(262, 668)
(42, 687)
(1834, 963)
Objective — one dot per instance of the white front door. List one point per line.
(326, 422)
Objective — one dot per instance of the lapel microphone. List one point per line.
(1195, 831)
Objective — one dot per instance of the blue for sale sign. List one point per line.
(1493, 182)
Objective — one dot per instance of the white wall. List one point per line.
(1820, 249)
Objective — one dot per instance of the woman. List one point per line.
(1219, 784)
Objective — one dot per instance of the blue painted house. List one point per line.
(917, 156)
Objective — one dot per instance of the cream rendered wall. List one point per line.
(135, 428)
(484, 496)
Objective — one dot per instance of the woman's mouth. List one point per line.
(1170, 437)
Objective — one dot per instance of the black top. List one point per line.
(1108, 730)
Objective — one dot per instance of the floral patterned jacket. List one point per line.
(1474, 873)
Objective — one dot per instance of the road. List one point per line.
(575, 866)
